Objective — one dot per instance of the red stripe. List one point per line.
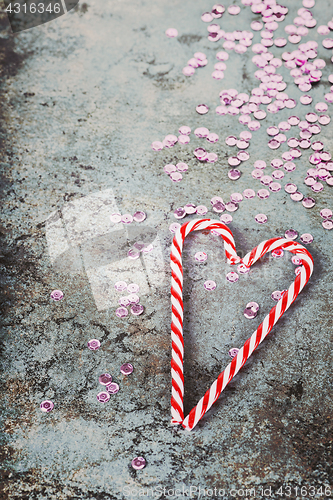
(176, 406)
(177, 351)
(205, 403)
(191, 417)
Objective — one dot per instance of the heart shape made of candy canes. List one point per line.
(177, 373)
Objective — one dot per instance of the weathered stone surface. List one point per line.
(83, 97)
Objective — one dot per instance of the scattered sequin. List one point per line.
(126, 368)
(174, 227)
(46, 406)
(57, 295)
(139, 216)
(232, 277)
(115, 218)
(226, 218)
(126, 219)
(139, 462)
(200, 256)
(201, 210)
(290, 188)
(94, 344)
(112, 388)
(261, 218)
(291, 234)
(233, 352)
(263, 194)
(133, 253)
(327, 224)
(202, 109)
(306, 238)
(171, 32)
(249, 193)
(326, 213)
(137, 309)
(105, 379)
(179, 213)
(121, 312)
(243, 269)
(277, 253)
(308, 202)
(276, 295)
(297, 196)
(103, 397)
(210, 285)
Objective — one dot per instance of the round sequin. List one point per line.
(297, 196)
(326, 213)
(171, 32)
(94, 344)
(234, 174)
(290, 188)
(112, 388)
(231, 206)
(261, 218)
(277, 253)
(201, 210)
(249, 193)
(327, 224)
(233, 352)
(179, 213)
(249, 313)
(184, 130)
(276, 295)
(306, 238)
(137, 309)
(139, 216)
(139, 462)
(105, 379)
(120, 286)
(243, 269)
(121, 312)
(103, 397)
(115, 218)
(176, 176)
(126, 219)
(232, 277)
(158, 145)
(291, 234)
(133, 253)
(259, 164)
(174, 227)
(126, 368)
(276, 163)
(226, 218)
(168, 169)
(263, 194)
(218, 207)
(46, 406)
(308, 202)
(236, 197)
(210, 285)
(57, 295)
(202, 109)
(200, 256)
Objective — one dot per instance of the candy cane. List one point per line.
(212, 394)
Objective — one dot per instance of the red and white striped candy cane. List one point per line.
(251, 344)
(177, 409)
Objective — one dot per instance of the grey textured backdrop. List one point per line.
(82, 99)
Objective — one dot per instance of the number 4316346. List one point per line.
(32, 8)
(304, 491)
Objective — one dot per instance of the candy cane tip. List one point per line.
(234, 260)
